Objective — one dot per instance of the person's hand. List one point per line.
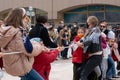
(41, 43)
(115, 45)
(70, 46)
(1, 54)
(45, 49)
(79, 44)
(60, 49)
(0, 34)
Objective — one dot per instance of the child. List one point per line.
(43, 60)
(77, 57)
(106, 53)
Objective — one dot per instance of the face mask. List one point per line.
(110, 29)
(80, 35)
(103, 30)
(75, 25)
(62, 25)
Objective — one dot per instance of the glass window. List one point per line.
(99, 15)
(110, 13)
(96, 8)
(112, 8)
(74, 17)
(82, 9)
(113, 16)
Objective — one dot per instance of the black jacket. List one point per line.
(40, 31)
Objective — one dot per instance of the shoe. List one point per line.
(118, 74)
(116, 77)
(64, 58)
(108, 78)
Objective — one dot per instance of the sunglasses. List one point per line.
(102, 26)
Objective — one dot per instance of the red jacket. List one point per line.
(78, 55)
(42, 63)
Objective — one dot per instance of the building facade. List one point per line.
(68, 10)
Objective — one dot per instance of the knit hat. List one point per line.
(24, 11)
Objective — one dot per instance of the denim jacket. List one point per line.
(92, 42)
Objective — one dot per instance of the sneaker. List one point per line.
(116, 77)
(118, 74)
(108, 78)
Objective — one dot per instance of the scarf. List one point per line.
(27, 44)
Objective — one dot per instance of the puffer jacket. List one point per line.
(11, 41)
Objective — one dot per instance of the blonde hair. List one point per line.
(93, 20)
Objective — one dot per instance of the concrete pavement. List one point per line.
(60, 70)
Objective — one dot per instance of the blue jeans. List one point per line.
(111, 72)
(32, 75)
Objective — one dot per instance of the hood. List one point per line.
(6, 35)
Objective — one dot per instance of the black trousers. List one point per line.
(89, 66)
(76, 71)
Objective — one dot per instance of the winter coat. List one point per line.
(41, 32)
(11, 41)
(42, 63)
(78, 55)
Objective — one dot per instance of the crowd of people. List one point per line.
(94, 48)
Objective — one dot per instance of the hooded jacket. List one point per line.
(43, 62)
(78, 55)
(11, 41)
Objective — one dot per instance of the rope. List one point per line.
(8, 53)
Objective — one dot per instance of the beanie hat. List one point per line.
(24, 11)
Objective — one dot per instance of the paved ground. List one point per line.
(61, 70)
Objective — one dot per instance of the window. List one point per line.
(75, 17)
(113, 16)
(110, 13)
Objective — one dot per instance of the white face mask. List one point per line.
(75, 25)
(62, 24)
(46, 26)
(103, 30)
(110, 28)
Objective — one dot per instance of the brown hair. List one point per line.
(82, 28)
(15, 18)
(93, 20)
